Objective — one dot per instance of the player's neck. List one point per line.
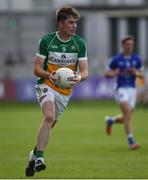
(63, 37)
(127, 54)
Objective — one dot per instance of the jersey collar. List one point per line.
(60, 38)
(127, 57)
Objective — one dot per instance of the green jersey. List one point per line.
(57, 53)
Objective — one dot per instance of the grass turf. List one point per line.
(79, 147)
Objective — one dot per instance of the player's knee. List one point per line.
(49, 118)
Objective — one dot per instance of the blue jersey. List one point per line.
(123, 64)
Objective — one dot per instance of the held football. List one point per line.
(64, 77)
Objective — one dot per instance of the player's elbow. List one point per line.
(36, 71)
(86, 74)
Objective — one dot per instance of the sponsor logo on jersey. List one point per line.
(63, 56)
(62, 59)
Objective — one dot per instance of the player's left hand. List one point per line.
(76, 79)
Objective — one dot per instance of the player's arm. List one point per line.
(38, 68)
(137, 72)
(83, 68)
(83, 72)
(82, 62)
(40, 72)
(112, 72)
(140, 73)
(39, 60)
(112, 69)
(138, 69)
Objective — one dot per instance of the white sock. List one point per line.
(130, 135)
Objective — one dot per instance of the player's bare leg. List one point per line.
(127, 112)
(36, 162)
(46, 126)
(44, 133)
(126, 117)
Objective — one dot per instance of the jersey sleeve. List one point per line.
(42, 49)
(112, 64)
(82, 55)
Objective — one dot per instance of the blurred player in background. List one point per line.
(125, 66)
(57, 49)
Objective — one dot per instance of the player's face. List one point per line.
(68, 27)
(128, 46)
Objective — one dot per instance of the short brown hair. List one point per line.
(126, 38)
(65, 12)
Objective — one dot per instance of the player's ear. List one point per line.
(60, 24)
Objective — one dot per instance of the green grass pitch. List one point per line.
(79, 147)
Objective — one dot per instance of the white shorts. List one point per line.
(45, 93)
(127, 94)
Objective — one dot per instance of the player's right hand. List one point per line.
(76, 79)
(52, 77)
(116, 72)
